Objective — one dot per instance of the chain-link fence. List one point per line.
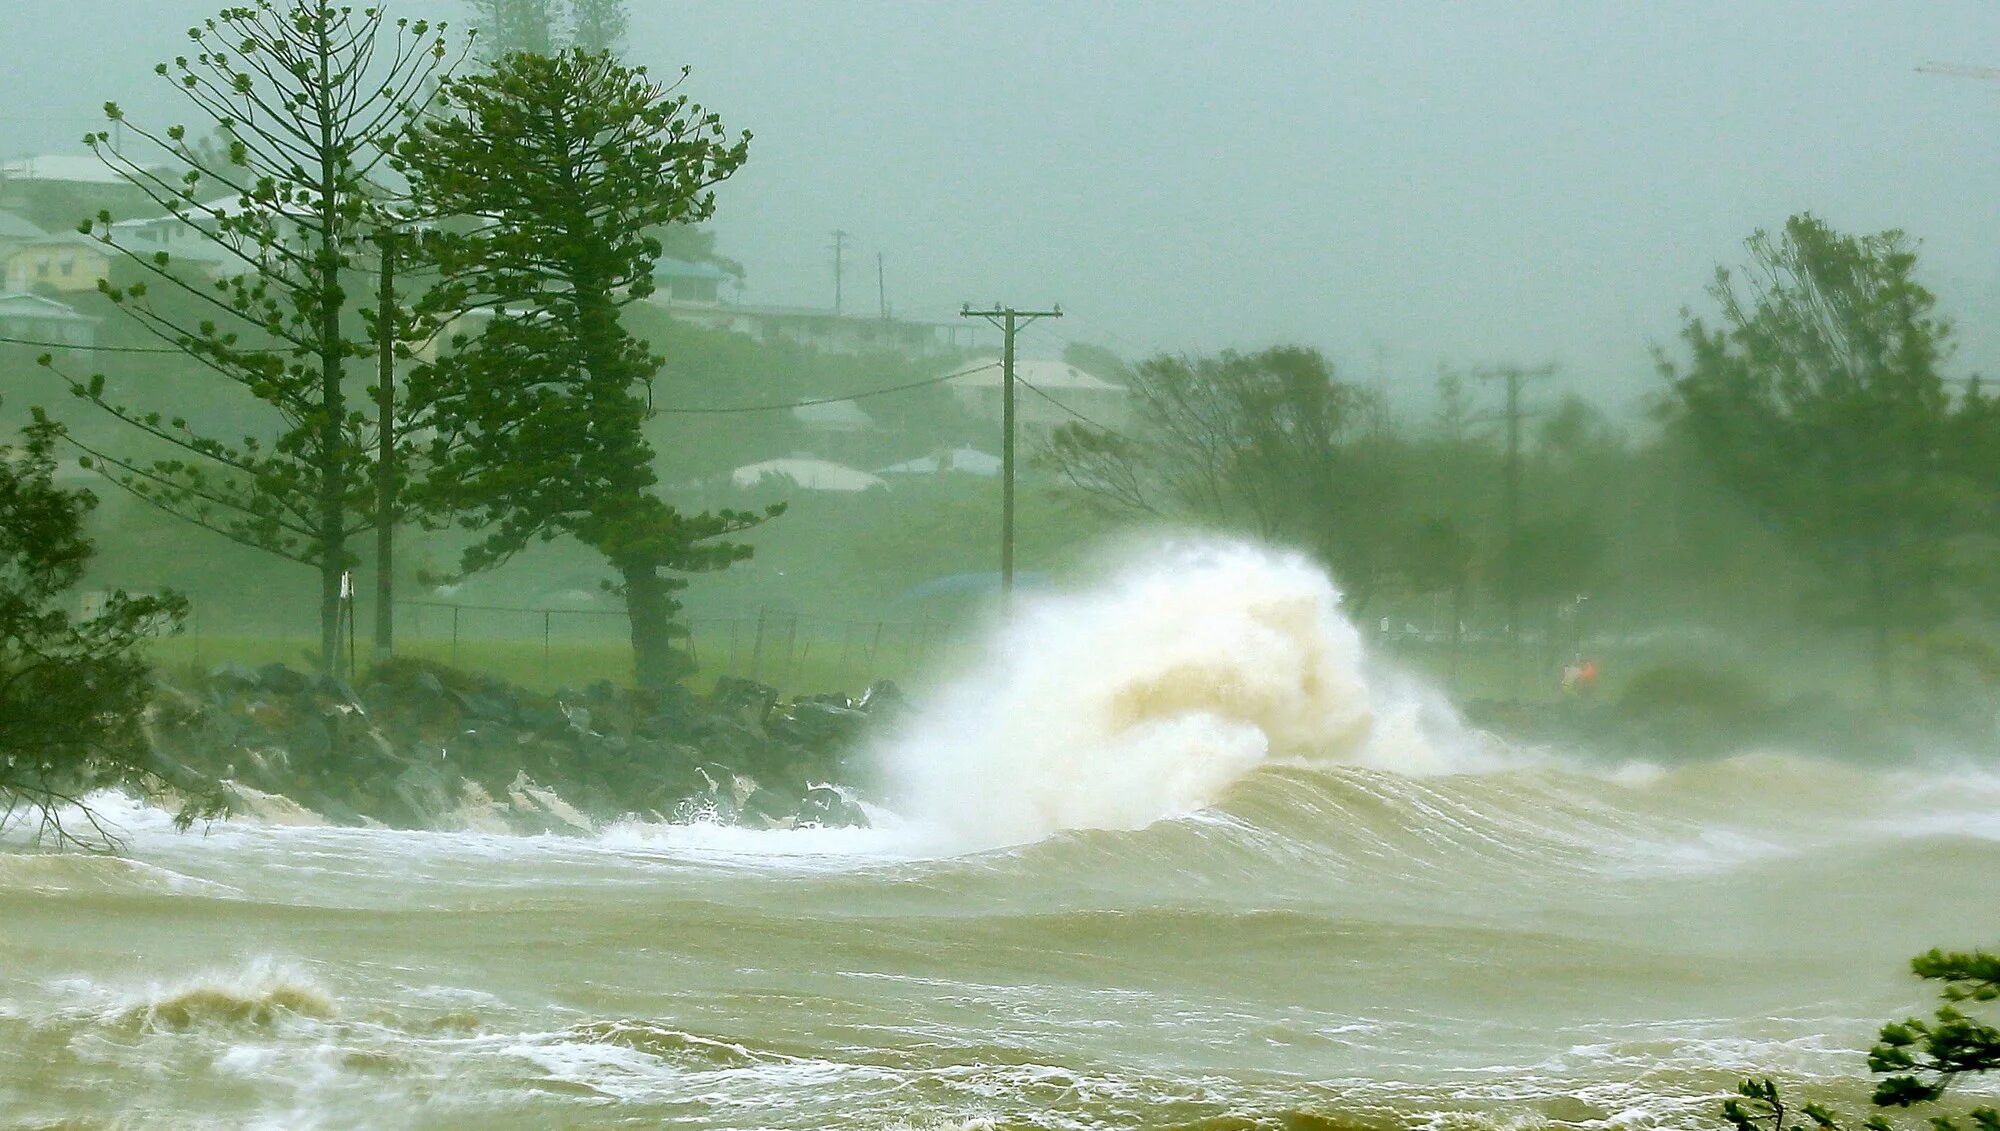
(771, 645)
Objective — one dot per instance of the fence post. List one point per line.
(791, 638)
(757, 643)
(546, 615)
(454, 636)
(735, 624)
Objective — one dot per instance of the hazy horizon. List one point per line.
(1401, 186)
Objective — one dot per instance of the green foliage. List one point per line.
(1819, 401)
(509, 26)
(73, 692)
(597, 25)
(1726, 698)
(1920, 1058)
(1440, 557)
(556, 168)
(1758, 1106)
(301, 96)
(536, 27)
(1268, 442)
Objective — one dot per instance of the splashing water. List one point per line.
(1144, 697)
(1349, 929)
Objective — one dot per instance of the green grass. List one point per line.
(804, 665)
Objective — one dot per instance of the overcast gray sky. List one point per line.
(1402, 184)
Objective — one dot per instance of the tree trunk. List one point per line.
(1457, 629)
(329, 613)
(1878, 628)
(650, 609)
(332, 455)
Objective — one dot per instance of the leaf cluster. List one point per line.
(552, 171)
(303, 98)
(1819, 400)
(1920, 1059)
(73, 692)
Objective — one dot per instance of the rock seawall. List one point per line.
(419, 745)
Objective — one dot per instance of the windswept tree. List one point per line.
(305, 95)
(555, 169)
(1268, 442)
(509, 26)
(543, 27)
(1919, 1059)
(73, 691)
(1819, 400)
(598, 25)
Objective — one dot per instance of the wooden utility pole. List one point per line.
(839, 265)
(881, 289)
(1510, 565)
(1008, 320)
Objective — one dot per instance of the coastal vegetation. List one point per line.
(1918, 1059)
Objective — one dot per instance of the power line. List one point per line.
(93, 349)
(1089, 326)
(1009, 321)
(658, 411)
(1094, 424)
(928, 381)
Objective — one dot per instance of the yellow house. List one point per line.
(64, 262)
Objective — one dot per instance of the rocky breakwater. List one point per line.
(419, 745)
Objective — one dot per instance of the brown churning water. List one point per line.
(1174, 853)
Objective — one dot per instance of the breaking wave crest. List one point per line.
(1149, 694)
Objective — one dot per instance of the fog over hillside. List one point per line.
(1401, 185)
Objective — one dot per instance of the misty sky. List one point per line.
(1401, 184)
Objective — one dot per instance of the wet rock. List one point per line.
(422, 740)
(231, 677)
(745, 700)
(770, 807)
(882, 697)
(826, 807)
(281, 680)
(819, 726)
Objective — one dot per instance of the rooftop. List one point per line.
(807, 474)
(16, 227)
(667, 267)
(20, 304)
(971, 461)
(1042, 374)
(838, 416)
(81, 170)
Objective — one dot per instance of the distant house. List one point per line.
(834, 418)
(963, 461)
(678, 281)
(821, 329)
(805, 473)
(56, 192)
(66, 262)
(33, 318)
(15, 231)
(839, 429)
(1057, 393)
(190, 249)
